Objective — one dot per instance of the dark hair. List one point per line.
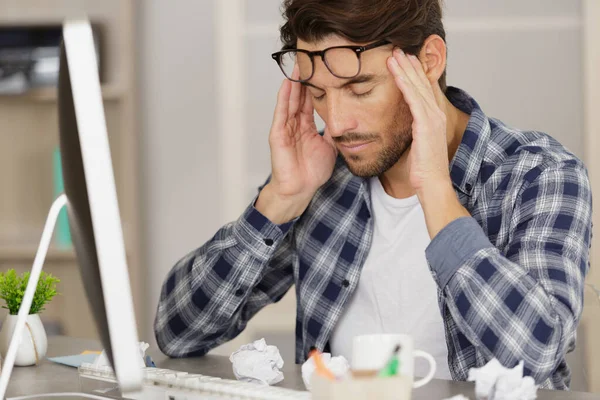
(405, 23)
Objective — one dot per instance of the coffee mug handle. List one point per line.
(432, 365)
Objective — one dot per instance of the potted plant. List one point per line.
(12, 289)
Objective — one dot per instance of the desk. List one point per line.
(50, 377)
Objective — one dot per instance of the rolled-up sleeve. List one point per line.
(210, 295)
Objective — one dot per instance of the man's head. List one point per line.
(366, 116)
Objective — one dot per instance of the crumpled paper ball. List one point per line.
(494, 381)
(257, 363)
(338, 365)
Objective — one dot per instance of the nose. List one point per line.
(339, 118)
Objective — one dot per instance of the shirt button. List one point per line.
(468, 187)
(269, 242)
(239, 292)
(345, 283)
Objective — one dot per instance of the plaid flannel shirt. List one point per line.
(510, 277)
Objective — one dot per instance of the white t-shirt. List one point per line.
(396, 292)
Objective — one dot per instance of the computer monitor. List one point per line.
(92, 205)
(93, 211)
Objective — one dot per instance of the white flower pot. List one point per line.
(34, 342)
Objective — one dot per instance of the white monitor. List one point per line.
(93, 210)
(92, 204)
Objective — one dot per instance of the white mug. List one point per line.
(372, 352)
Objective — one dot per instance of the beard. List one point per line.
(399, 141)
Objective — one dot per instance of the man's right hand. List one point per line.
(301, 159)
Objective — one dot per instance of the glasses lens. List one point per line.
(290, 58)
(343, 63)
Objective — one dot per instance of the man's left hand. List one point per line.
(428, 158)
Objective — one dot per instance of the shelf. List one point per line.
(50, 94)
(27, 253)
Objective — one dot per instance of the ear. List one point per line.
(433, 58)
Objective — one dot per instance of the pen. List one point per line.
(392, 366)
(321, 368)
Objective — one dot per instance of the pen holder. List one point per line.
(352, 388)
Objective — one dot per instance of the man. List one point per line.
(412, 213)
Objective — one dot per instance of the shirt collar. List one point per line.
(465, 167)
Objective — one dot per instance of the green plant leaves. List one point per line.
(12, 290)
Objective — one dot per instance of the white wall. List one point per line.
(178, 135)
(522, 61)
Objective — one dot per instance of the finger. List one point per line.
(409, 67)
(302, 97)
(295, 95)
(281, 108)
(307, 106)
(416, 63)
(402, 59)
(307, 117)
(411, 96)
(424, 85)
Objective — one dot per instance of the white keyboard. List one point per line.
(165, 384)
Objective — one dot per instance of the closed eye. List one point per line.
(313, 89)
(364, 94)
(318, 98)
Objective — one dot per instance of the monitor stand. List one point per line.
(36, 270)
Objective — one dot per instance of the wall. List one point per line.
(178, 135)
(511, 58)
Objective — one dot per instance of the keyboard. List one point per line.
(165, 384)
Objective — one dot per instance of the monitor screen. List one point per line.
(92, 204)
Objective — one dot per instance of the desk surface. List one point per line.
(50, 377)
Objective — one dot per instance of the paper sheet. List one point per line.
(74, 360)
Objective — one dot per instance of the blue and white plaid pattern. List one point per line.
(510, 278)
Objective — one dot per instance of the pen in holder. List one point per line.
(387, 383)
(382, 368)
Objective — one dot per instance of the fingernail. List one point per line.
(399, 51)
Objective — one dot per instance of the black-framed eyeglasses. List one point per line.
(342, 61)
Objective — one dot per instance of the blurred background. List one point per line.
(189, 89)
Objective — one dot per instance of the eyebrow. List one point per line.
(366, 78)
